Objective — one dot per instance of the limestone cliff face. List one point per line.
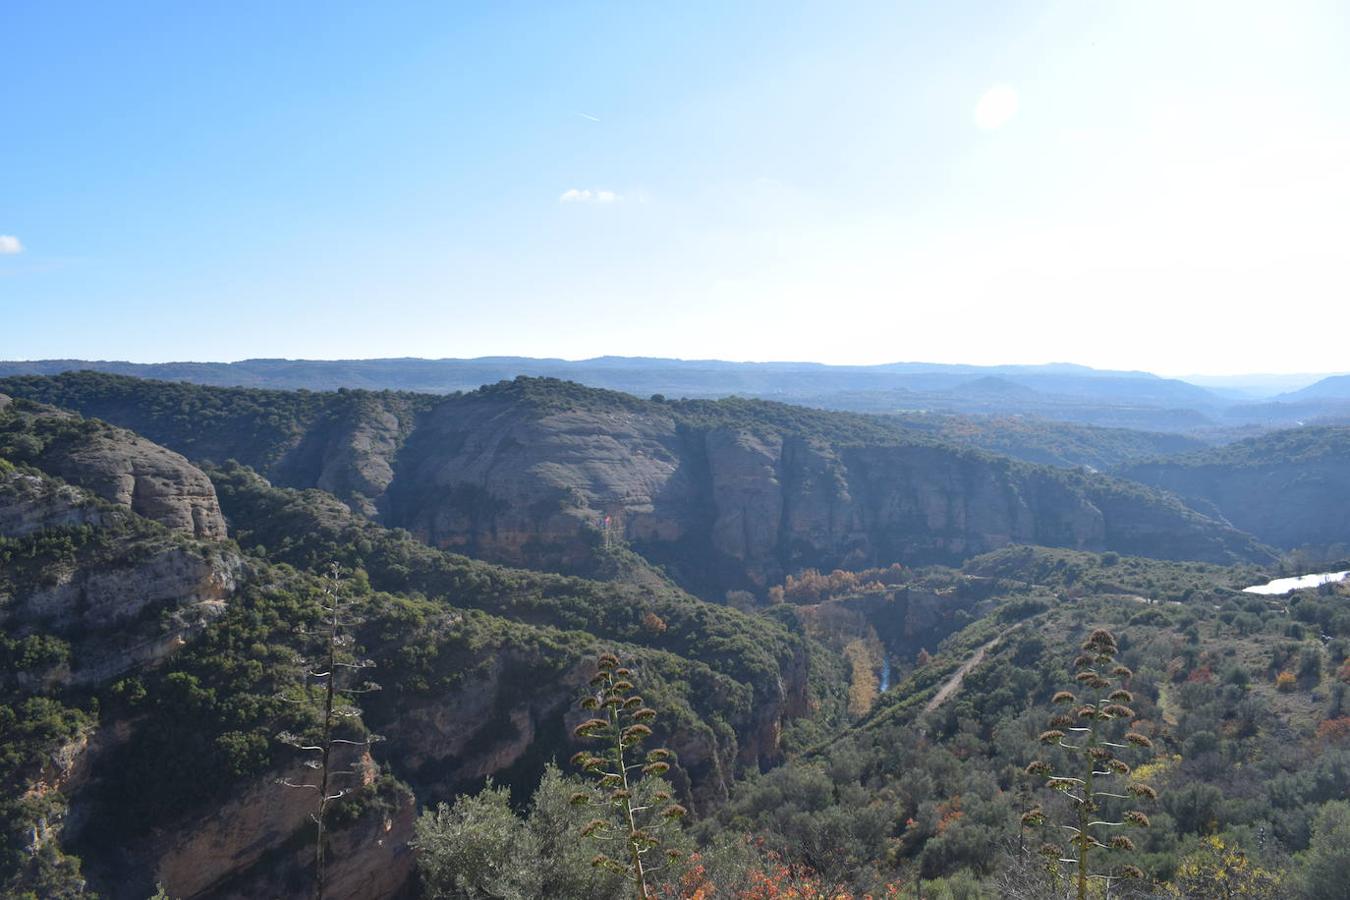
(491, 724)
(144, 477)
(489, 477)
(350, 451)
(358, 463)
(746, 492)
(30, 504)
(502, 718)
(100, 601)
(535, 488)
(481, 729)
(538, 473)
(104, 607)
(255, 842)
(117, 465)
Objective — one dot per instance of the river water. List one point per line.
(1285, 585)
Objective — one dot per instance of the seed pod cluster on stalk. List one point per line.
(1092, 730)
(634, 801)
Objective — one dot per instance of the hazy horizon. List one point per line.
(1287, 380)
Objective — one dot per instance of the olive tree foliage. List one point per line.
(1322, 871)
(1090, 735)
(478, 847)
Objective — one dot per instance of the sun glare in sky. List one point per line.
(996, 108)
(1150, 184)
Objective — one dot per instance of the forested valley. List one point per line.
(546, 640)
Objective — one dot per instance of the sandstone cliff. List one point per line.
(727, 494)
(259, 843)
(104, 608)
(30, 503)
(144, 477)
(515, 712)
(115, 464)
(350, 449)
(125, 596)
(730, 506)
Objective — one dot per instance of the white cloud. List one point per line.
(9, 245)
(586, 195)
(996, 107)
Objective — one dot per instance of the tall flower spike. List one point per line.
(638, 802)
(1097, 715)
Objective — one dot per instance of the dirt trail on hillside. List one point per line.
(953, 684)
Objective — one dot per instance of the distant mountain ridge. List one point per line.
(1332, 387)
(1060, 391)
(451, 374)
(1057, 390)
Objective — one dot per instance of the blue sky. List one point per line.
(1135, 185)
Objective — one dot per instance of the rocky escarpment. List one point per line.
(103, 582)
(255, 842)
(104, 608)
(468, 692)
(729, 506)
(732, 494)
(516, 712)
(343, 442)
(1290, 488)
(232, 851)
(144, 477)
(115, 464)
(303, 528)
(90, 592)
(493, 478)
(30, 503)
(351, 454)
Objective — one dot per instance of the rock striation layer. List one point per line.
(115, 464)
(729, 507)
(144, 477)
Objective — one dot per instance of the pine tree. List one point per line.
(1090, 735)
(636, 798)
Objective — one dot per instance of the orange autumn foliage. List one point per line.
(811, 586)
(776, 880)
(948, 812)
(1201, 675)
(1334, 731)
